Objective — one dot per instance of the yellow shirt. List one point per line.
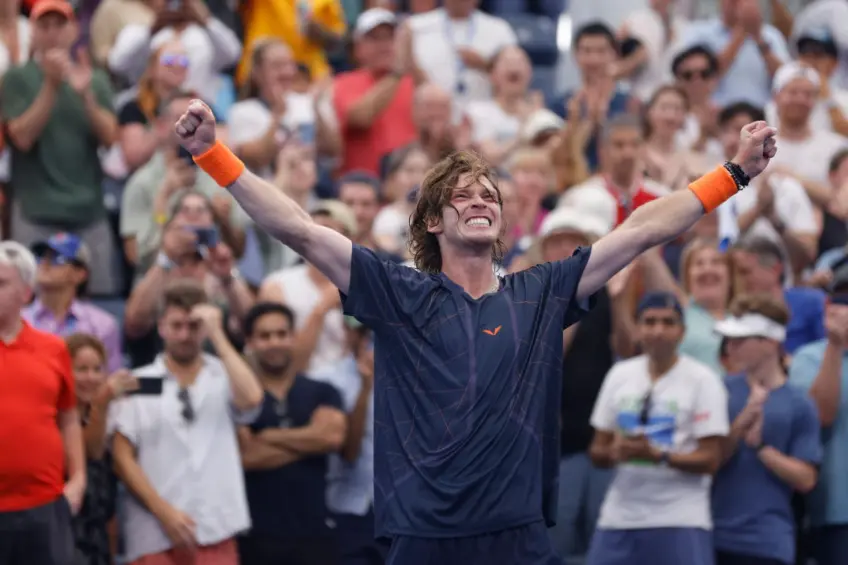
(279, 19)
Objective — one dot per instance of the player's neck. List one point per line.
(476, 275)
(658, 366)
(768, 374)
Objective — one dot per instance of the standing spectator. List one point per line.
(695, 72)
(58, 112)
(749, 51)
(454, 46)
(42, 472)
(773, 447)
(660, 420)
(373, 104)
(821, 368)
(63, 272)
(177, 451)
(284, 450)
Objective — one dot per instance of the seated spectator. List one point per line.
(695, 73)
(821, 368)
(165, 75)
(817, 49)
(14, 36)
(497, 122)
(285, 450)
(111, 16)
(773, 449)
(665, 162)
(439, 133)
(211, 46)
(59, 306)
(95, 393)
(834, 233)
(152, 190)
(58, 112)
(309, 29)
(177, 451)
(270, 112)
(373, 104)
(453, 47)
(828, 15)
(532, 173)
(362, 194)
(660, 420)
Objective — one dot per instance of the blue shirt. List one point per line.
(806, 319)
(467, 395)
(828, 503)
(752, 507)
(747, 79)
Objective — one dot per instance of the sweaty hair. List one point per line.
(762, 304)
(435, 194)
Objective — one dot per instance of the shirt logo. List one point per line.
(492, 332)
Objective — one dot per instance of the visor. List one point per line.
(750, 325)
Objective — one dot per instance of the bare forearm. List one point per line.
(140, 312)
(307, 439)
(664, 219)
(737, 430)
(772, 62)
(262, 456)
(26, 128)
(239, 298)
(72, 441)
(801, 249)
(103, 122)
(826, 391)
(246, 391)
(132, 475)
(356, 426)
(798, 474)
(623, 339)
(365, 110)
(632, 63)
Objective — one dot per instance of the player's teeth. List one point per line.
(478, 222)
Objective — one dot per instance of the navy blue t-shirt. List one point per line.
(289, 501)
(467, 395)
(752, 507)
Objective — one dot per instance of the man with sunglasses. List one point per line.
(175, 445)
(659, 419)
(58, 308)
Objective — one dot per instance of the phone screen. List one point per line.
(206, 237)
(149, 386)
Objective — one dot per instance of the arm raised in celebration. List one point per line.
(269, 207)
(666, 218)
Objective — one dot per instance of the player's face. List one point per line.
(182, 336)
(473, 217)
(14, 293)
(660, 331)
(271, 343)
(88, 372)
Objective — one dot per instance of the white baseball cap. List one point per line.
(566, 218)
(791, 71)
(750, 325)
(371, 19)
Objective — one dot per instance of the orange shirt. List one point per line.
(392, 129)
(36, 383)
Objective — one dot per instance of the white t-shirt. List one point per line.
(647, 27)
(489, 122)
(809, 159)
(820, 117)
(435, 41)
(687, 404)
(689, 135)
(391, 228)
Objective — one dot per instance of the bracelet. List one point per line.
(221, 164)
(715, 188)
(742, 180)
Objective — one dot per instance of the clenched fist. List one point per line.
(757, 146)
(196, 128)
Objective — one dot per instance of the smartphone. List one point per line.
(149, 386)
(183, 154)
(206, 237)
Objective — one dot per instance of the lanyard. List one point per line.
(449, 35)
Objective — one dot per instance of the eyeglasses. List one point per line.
(703, 74)
(645, 413)
(173, 60)
(188, 409)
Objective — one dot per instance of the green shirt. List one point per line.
(59, 180)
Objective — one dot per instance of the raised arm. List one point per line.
(666, 218)
(269, 208)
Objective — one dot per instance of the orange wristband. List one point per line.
(221, 164)
(714, 188)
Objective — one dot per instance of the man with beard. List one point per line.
(285, 450)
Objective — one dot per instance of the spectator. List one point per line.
(42, 481)
(152, 191)
(439, 134)
(139, 138)
(532, 173)
(15, 34)
(58, 112)
(817, 49)
(59, 308)
(285, 450)
(95, 392)
(773, 448)
(271, 112)
(660, 419)
(373, 104)
(749, 51)
(310, 29)
(212, 47)
(774, 206)
(454, 46)
(515, 243)
(313, 298)
(361, 193)
(599, 96)
(665, 162)
(111, 16)
(826, 15)
(822, 369)
(619, 180)
(176, 451)
(834, 232)
(759, 266)
(695, 72)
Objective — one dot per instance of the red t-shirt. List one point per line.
(625, 208)
(392, 129)
(36, 383)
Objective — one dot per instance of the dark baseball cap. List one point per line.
(817, 40)
(659, 300)
(66, 245)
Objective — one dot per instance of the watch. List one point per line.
(231, 278)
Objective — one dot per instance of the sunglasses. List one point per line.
(172, 60)
(703, 74)
(645, 412)
(187, 412)
(57, 260)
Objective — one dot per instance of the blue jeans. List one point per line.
(582, 488)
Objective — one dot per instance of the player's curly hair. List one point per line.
(434, 195)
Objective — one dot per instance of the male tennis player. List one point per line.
(467, 365)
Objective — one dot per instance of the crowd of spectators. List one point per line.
(344, 105)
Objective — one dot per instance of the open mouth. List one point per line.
(478, 221)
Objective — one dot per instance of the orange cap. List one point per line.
(42, 7)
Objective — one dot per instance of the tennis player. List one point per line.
(467, 364)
